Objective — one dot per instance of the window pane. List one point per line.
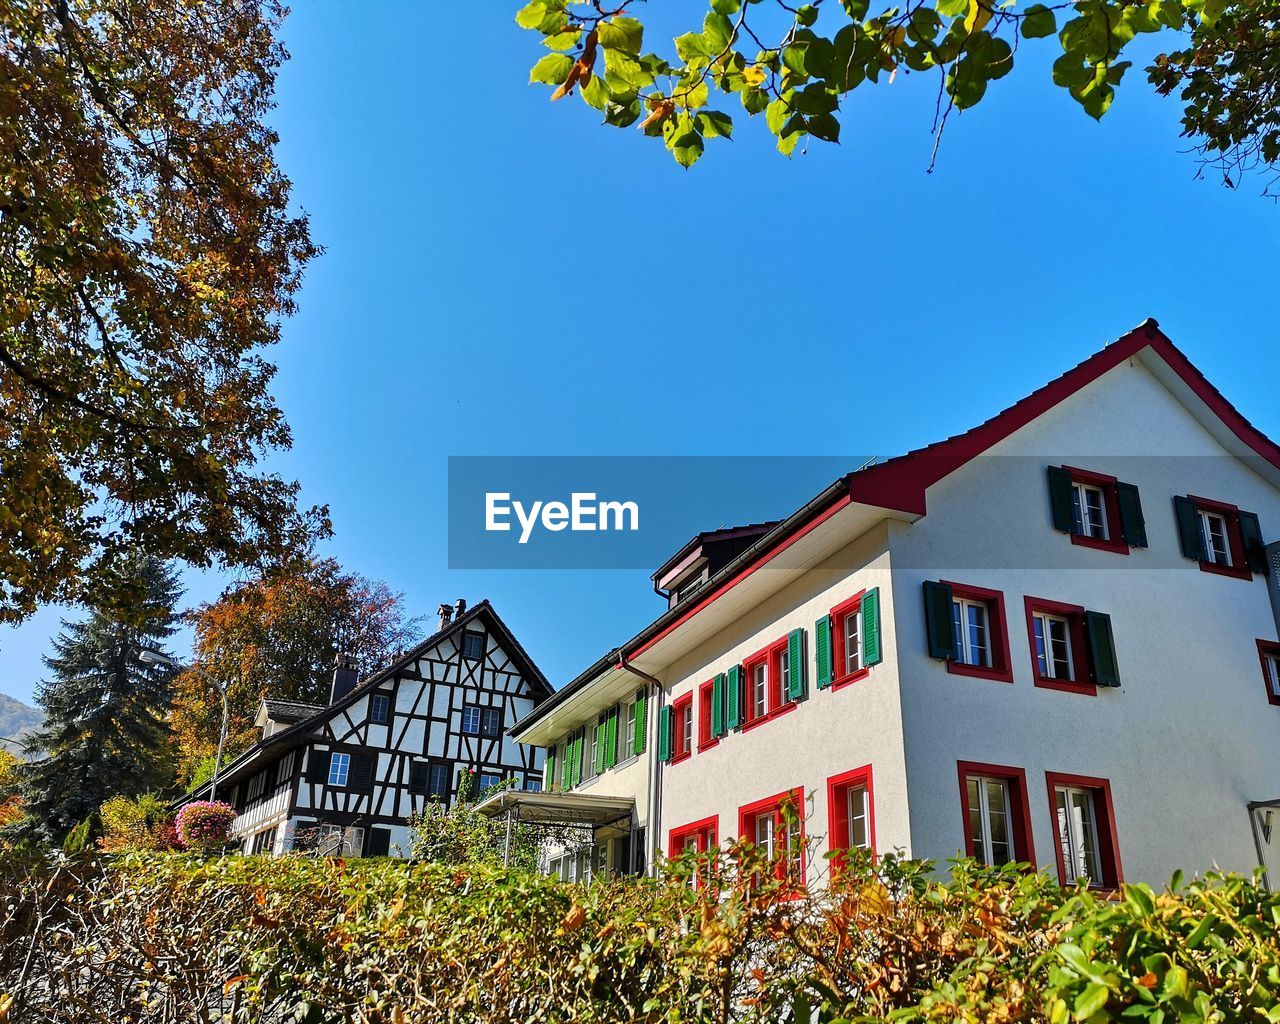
(1042, 651)
(764, 833)
(1077, 510)
(1059, 649)
(760, 691)
(859, 832)
(998, 816)
(979, 654)
(852, 652)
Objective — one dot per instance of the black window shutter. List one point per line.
(1059, 500)
(318, 766)
(1102, 649)
(938, 620)
(379, 844)
(1132, 524)
(361, 773)
(1188, 528)
(1255, 552)
(418, 775)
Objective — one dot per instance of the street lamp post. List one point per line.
(156, 658)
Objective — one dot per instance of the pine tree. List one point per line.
(105, 732)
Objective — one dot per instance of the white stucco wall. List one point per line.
(1189, 738)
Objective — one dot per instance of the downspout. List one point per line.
(655, 765)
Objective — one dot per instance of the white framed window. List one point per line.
(858, 806)
(589, 754)
(380, 708)
(969, 622)
(1054, 657)
(760, 690)
(471, 720)
(628, 731)
(784, 677)
(686, 589)
(1273, 673)
(686, 727)
(339, 769)
(765, 829)
(1089, 510)
(852, 627)
(1076, 812)
(489, 779)
(1213, 537)
(532, 784)
(990, 826)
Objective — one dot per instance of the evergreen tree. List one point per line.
(105, 732)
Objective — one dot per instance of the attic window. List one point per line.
(472, 645)
(686, 589)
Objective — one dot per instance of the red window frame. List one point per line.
(1024, 847)
(774, 705)
(1108, 845)
(705, 739)
(1111, 499)
(1074, 614)
(748, 813)
(1001, 670)
(680, 707)
(1268, 648)
(839, 677)
(706, 831)
(1239, 567)
(838, 787)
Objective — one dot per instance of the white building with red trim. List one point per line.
(1052, 638)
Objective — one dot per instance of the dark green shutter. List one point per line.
(871, 647)
(1188, 528)
(1102, 649)
(579, 753)
(822, 651)
(1060, 500)
(717, 705)
(379, 844)
(361, 775)
(733, 697)
(1255, 552)
(664, 733)
(939, 621)
(549, 769)
(611, 737)
(642, 704)
(795, 664)
(318, 766)
(1132, 523)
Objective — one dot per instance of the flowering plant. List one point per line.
(205, 824)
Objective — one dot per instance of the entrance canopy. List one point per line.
(606, 816)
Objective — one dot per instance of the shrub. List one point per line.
(149, 938)
(141, 824)
(205, 824)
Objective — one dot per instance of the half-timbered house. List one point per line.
(348, 776)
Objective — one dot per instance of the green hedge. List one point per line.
(153, 937)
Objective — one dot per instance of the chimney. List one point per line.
(344, 677)
(445, 611)
(460, 608)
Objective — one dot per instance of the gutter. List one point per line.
(655, 765)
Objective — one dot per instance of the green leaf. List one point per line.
(531, 15)
(713, 124)
(952, 8)
(754, 100)
(621, 33)
(1090, 1001)
(807, 14)
(776, 114)
(595, 93)
(1038, 22)
(552, 69)
(824, 127)
(793, 58)
(856, 9)
(621, 115)
(787, 143)
(687, 148)
(717, 32)
(566, 39)
(726, 7)
(692, 47)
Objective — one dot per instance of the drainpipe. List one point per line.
(655, 766)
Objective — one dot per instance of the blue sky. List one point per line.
(504, 277)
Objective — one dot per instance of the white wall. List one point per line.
(1189, 738)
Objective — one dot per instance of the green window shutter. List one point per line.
(871, 647)
(550, 770)
(664, 733)
(602, 725)
(822, 651)
(733, 697)
(1255, 552)
(1060, 499)
(1102, 649)
(1132, 524)
(1188, 528)
(611, 738)
(642, 704)
(938, 620)
(717, 705)
(579, 746)
(566, 768)
(795, 664)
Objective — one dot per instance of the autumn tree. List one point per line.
(148, 253)
(277, 636)
(796, 64)
(105, 707)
